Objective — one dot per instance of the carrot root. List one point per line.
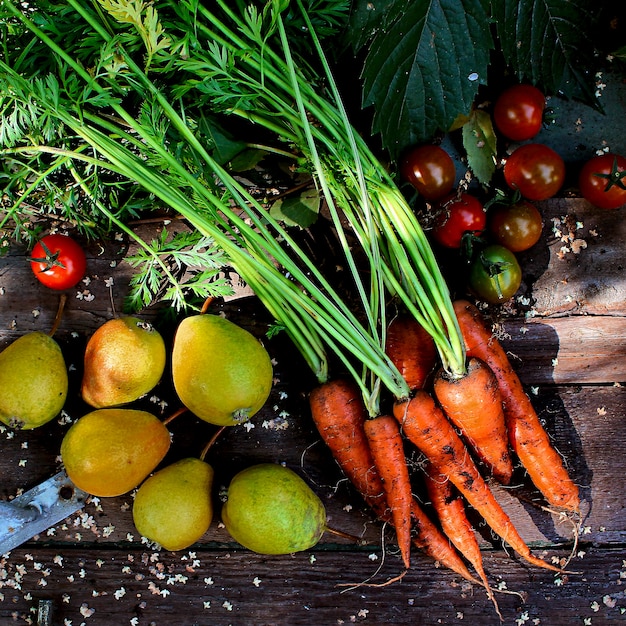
(450, 510)
(339, 413)
(387, 447)
(474, 405)
(430, 540)
(425, 425)
(412, 350)
(527, 437)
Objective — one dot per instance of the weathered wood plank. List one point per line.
(578, 266)
(578, 349)
(229, 587)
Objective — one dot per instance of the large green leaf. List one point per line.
(546, 43)
(425, 59)
(424, 63)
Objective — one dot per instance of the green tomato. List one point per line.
(494, 275)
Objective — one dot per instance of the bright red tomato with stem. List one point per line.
(535, 170)
(602, 181)
(430, 169)
(460, 214)
(515, 226)
(518, 112)
(58, 261)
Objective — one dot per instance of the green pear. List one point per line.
(108, 452)
(174, 506)
(124, 359)
(221, 372)
(270, 510)
(33, 381)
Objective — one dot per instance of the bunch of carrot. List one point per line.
(464, 427)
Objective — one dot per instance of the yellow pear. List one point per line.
(33, 381)
(108, 452)
(174, 506)
(221, 372)
(124, 359)
(271, 510)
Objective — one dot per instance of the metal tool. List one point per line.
(38, 509)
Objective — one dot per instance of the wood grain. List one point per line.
(567, 340)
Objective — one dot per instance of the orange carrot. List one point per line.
(412, 350)
(527, 437)
(450, 509)
(339, 413)
(425, 425)
(387, 447)
(473, 404)
(428, 538)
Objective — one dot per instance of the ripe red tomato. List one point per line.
(515, 226)
(430, 169)
(602, 181)
(518, 112)
(536, 170)
(58, 261)
(495, 274)
(460, 214)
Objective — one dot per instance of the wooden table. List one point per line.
(567, 339)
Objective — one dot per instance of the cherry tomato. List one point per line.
(494, 274)
(460, 214)
(58, 261)
(515, 226)
(518, 112)
(536, 170)
(430, 169)
(602, 181)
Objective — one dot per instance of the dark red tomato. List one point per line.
(602, 181)
(518, 112)
(516, 226)
(494, 275)
(58, 262)
(536, 170)
(460, 214)
(430, 169)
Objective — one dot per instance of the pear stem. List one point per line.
(175, 414)
(341, 533)
(57, 318)
(207, 303)
(211, 441)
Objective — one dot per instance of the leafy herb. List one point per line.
(194, 259)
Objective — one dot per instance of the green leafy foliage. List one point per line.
(479, 141)
(545, 42)
(423, 65)
(194, 259)
(300, 210)
(424, 61)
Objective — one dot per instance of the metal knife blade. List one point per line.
(38, 509)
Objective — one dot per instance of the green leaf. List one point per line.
(247, 159)
(224, 147)
(424, 63)
(301, 210)
(620, 53)
(546, 43)
(479, 141)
